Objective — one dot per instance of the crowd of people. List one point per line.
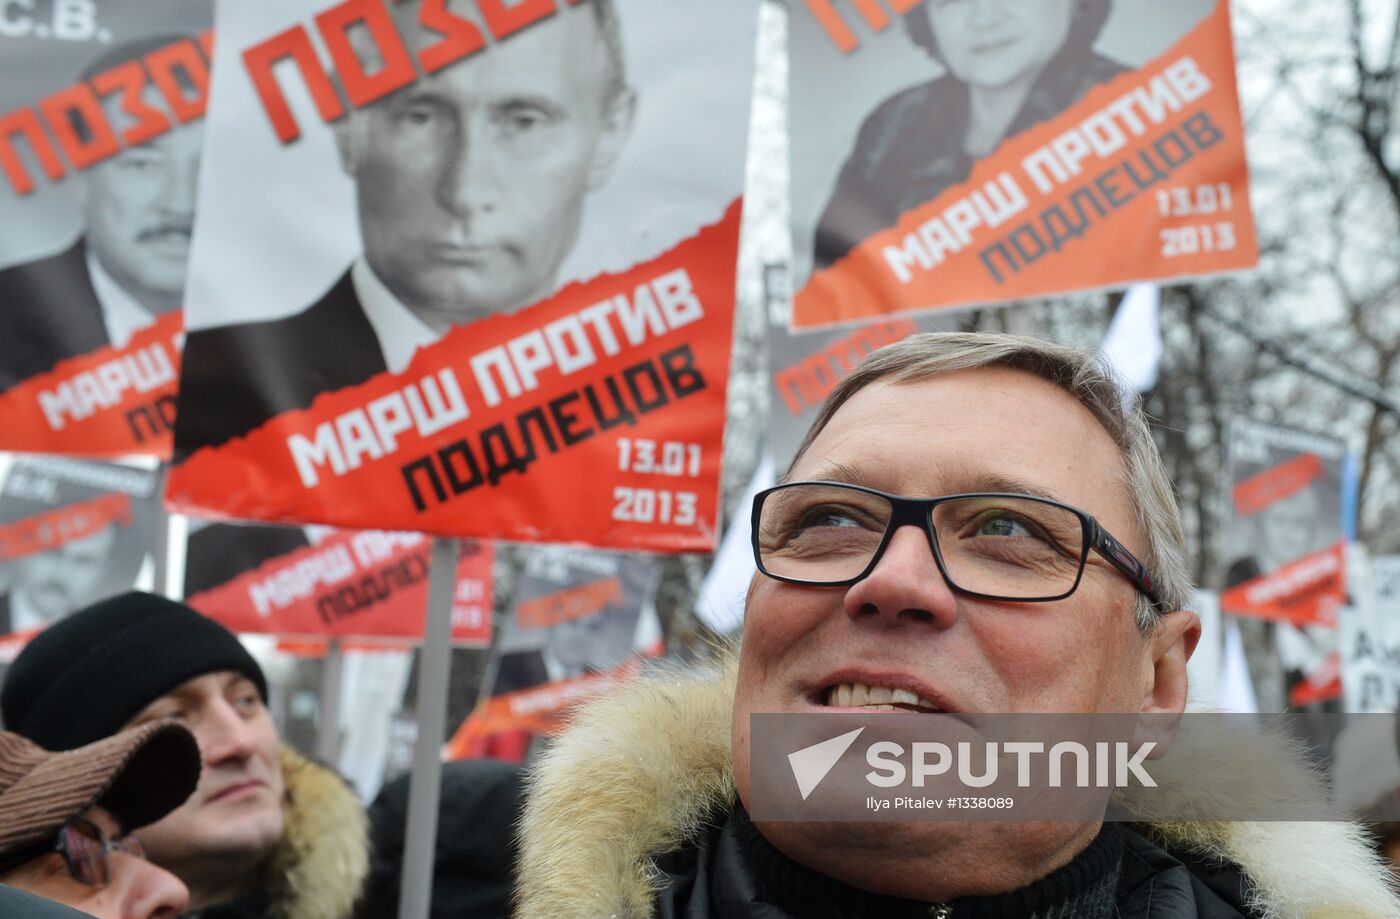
(141, 775)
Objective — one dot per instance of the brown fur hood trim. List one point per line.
(642, 767)
(321, 863)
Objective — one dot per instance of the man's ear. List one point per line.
(612, 138)
(1169, 646)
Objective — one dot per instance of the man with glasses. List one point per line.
(66, 820)
(267, 833)
(973, 525)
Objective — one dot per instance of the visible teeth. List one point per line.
(876, 698)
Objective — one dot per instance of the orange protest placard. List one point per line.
(568, 604)
(540, 709)
(101, 131)
(1275, 484)
(1285, 548)
(525, 336)
(1110, 174)
(366, 583)
(51, 529)
(109, 402)
(1308, 591)
(625, 376)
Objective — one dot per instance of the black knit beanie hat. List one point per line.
(85, 676)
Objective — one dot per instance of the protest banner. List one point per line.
(101, 128)
(1311, 658)
(515, 272)
(72, 532)
(1284, 544)
(942, 157)
(344, 584)
(1370, 639)
(806, 367)
(581, 621)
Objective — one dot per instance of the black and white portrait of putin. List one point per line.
(470, 188)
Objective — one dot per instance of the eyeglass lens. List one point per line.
(1009, 547)
(86, 850)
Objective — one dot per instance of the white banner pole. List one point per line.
(160, 538)
(332, 678)
(420, 836)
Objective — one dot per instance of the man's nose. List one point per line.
(223, 734)
(905, 586)
(472, 180)
(181, 187)
(146, 891)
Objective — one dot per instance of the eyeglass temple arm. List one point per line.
(1119, 557)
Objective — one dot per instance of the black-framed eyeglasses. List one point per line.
(989, 545)
(85, 850)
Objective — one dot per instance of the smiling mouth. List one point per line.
(877, 699)
(993, 47)
(167, 235)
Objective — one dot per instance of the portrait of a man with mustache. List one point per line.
(127, 267)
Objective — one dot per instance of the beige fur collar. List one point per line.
(641, 768)
(321, 863)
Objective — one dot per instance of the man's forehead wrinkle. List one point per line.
(204, 684)
(986, 480)
(954, 479)
(836, 471)
(538, 81)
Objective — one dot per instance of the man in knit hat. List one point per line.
(266, 832)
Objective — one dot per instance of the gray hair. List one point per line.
(1080, 373)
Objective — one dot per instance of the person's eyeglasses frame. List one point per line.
(61, 842)
(905, 511)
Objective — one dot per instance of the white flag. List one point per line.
(1132, 348)
(721, 603)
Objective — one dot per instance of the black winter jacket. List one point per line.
(731, 873)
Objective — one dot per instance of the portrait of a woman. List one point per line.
(1007, 65)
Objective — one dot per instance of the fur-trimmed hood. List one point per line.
(319, 867)
(641, 770)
